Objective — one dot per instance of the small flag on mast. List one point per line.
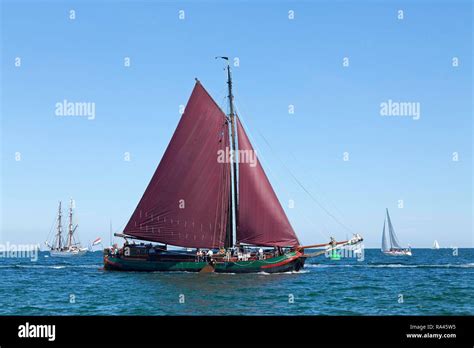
(97, 241)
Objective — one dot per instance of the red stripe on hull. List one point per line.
(284, 262)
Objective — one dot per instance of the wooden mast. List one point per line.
(59, 227)
(69, 237)
(233, 211)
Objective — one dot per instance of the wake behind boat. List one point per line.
(69, 247)
(214, 200)
(391, 246)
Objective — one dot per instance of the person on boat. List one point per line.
(209, 255)
(260, 254)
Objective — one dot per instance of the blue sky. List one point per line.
(282, 62)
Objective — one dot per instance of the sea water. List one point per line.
(431, 282)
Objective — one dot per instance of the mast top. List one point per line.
(229, 84)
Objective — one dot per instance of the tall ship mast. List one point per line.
(233, 199)
(210, 196)
(68, 247)
(59, 238)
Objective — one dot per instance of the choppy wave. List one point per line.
(49, 266)
(393, 265)
(301, 271)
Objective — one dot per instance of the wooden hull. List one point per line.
(292, 261)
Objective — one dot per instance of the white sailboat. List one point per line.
(69, 247)
(391, 246)
(436, 245)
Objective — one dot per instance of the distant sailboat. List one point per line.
(68, 247)
(436, 245)
(391, 245)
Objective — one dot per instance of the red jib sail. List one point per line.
(186, 202)
(262, 220)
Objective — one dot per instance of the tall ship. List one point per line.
(390, 244)
(68, 245)
(211, 197)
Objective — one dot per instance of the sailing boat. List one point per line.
(436, 245)
(68, 247)
(211, 198)
(394, 249)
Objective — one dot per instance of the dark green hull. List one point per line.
(292, 261)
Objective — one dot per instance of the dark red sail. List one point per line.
(187, 200)
(262, 220)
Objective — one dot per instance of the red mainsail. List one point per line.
(186, 202)
(262, 220)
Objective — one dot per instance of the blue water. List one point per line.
(429, 283)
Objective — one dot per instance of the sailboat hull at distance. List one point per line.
(67, 253)
(288, 262)
(398, 252)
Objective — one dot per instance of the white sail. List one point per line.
(385, 246)
(436, 245)
(394, 243)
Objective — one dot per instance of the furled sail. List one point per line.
(261, 218)
(186, 202)
(393, 238)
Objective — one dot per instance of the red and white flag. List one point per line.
(97, 241)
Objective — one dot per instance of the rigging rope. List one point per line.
(321, 190)
(271, 172)
(51, 229)
(304, 188)
(301, 185)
